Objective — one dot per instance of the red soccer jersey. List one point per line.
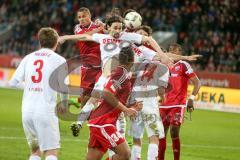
(181, 72)
(120, 85)
(89, 51)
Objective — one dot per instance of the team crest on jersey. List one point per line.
(177, 68)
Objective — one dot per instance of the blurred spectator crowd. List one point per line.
(207, 27)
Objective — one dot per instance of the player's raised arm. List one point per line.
(164, 58)
(18, 76)
(81, 37)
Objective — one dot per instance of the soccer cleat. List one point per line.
(75, 127)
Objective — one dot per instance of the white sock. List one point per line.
(136, 152)
(34, 157)
(88, 107)
(110, 153)
(51, 157)
(121, 125)
(152, 151)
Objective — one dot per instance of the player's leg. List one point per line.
(153, 125)
(163, 141)
(89, 77)
(121, 128)
(36, 154)
(51, 154)
(122, 151)
(95, 96)
(94, 154)
(136, 131)
(136, 149)
(175, 123)
(31, 135)
(47, 127)
(174, 131)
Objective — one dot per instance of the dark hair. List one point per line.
(146, 28)
(47, 37)
(84, 9)
(113, 19)
(126, 55)
(116, 11)
(128, 11)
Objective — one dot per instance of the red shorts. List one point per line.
(89, 77)
(172, 116)
(104, 138)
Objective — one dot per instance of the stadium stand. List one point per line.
(207, 27)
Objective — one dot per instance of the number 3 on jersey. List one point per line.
(39, 65)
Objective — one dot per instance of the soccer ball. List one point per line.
(133, 20)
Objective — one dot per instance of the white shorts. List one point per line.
(41, 131)
(148, 118)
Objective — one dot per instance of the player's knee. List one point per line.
(137, 141)
(52, 152)
(35, 150)
(126, 155)
(154, 139)
(174, 131)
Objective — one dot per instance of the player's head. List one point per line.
(126, 57)
(114, 25)
(144, 30)
(84, 16)
(175, 48)
(48, 38)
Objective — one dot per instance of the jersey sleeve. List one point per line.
(148, 54)
(97, 37)
(19, 74)
(187, 70)
(132, 37)
(110, 87)
(116, 81)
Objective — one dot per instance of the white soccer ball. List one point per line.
(133, 20)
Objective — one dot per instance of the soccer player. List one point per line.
(40, 123)
(145, 52)
(89, 54)
(110, 45)
(173, 106)
(103, 132)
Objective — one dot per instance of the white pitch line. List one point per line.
(86, 141)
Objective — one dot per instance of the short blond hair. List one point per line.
(48, 37)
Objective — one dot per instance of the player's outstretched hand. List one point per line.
(190, 106)
(75, 127)
(136, 106)
(61, 40)
(193, 57)
(131, 112)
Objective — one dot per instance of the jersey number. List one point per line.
(39, 66)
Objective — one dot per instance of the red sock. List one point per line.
(162, 148)
(176, 148)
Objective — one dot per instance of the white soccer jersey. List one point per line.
(151, 75)
(111, 47)
(35, 69)
(143, 53)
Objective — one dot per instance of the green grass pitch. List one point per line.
(209, 136)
